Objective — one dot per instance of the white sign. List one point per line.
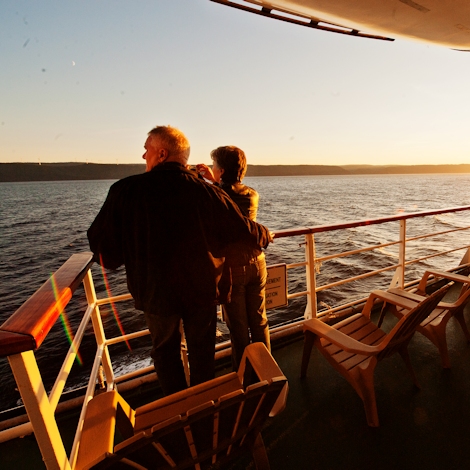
(276, 286)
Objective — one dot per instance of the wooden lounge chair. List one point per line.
(195, 428)
(355, 345)
(434, 326)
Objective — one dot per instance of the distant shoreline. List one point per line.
(23, 172)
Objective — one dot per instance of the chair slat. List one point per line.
(179, 403)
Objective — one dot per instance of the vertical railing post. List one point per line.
(399, 276)
(39, 409)
(311, 308)
(98, 329)
(402, 254)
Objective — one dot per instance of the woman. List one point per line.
(246, 313)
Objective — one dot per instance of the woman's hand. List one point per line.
(205, 171)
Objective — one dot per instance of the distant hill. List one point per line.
(11, 172)
(405, 169)
(15, 172)
(294, 170)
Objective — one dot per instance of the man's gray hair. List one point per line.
(174, 141)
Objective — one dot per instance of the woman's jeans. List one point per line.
(246, 313)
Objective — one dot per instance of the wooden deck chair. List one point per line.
(434, 326)
(355, 345)
(206, 424)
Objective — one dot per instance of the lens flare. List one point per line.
(113, 308)
(64, 319)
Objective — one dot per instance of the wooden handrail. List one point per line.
(26, 329)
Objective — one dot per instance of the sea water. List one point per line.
(43, 223)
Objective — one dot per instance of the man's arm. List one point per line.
(261, 235)
(104, 234)
(237, 227)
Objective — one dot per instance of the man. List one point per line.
(170, 229)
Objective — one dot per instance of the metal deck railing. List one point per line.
(26, 329)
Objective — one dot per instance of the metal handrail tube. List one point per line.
(297, 265)
(274, 330)
(355, 278)
(297, 294)
(435, 234)
(355, 252)
(64, 372)
(121, 339)
(436, 254)
(342, 306)
(88, 396)
(15, 432)
(98, 328)
(116, 298)
(135, 373)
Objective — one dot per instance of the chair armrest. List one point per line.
(451, 276)
(400, 300)
(407, 294)
(345, 342)
(99, 425)
(386, 296)
(420, 298)
(443, 274)
(261, 361)
(266, 368)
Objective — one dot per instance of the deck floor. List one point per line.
(324, 428)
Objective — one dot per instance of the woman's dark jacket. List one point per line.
(247, 200)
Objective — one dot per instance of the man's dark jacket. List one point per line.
(170, 229)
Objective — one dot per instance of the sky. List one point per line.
(85, 80)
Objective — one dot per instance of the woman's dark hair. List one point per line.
(232, 160)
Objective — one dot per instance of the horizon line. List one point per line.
(249, 164)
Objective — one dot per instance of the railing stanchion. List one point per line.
(311, 308)
(99, 329)
(399, 276)
(402, 254)
(40, 412)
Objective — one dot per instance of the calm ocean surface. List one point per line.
(43, 223)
